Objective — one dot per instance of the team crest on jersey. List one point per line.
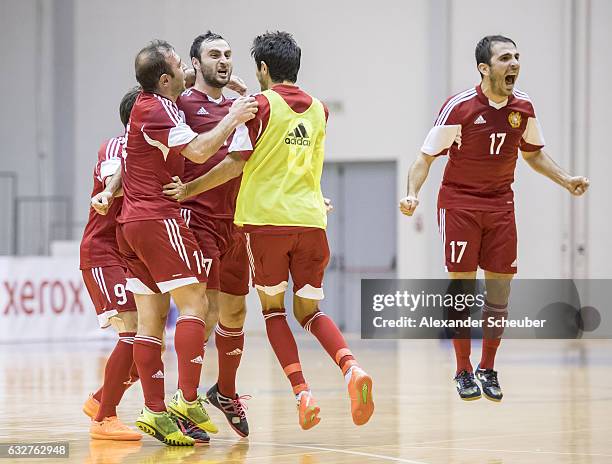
(514, 119)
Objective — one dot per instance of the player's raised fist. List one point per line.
(102, 202)
(237, 85)
(408, 204)
(243, 109)
(577, 185)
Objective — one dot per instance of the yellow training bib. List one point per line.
(281, 181)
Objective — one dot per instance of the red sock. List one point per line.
(463, 348)
(330, 338)
(131, 381)
(116, 374)
(491, 336)
(147, 356)
(98, 395)
(283, 344)
(133, 376)
(189, 345)
(230, 342)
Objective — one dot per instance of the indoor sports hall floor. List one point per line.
(557, 408)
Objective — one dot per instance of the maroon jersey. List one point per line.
(482, 139)
(156, 135)
(99, 245)
(245, 138)
(203, 113)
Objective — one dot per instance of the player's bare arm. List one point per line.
(541, 162)
(417, 174)
(205, 145)
(226, 170)
(103, 200)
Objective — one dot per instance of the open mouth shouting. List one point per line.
(510, 79)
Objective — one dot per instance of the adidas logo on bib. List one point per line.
(298, 136)
(197, 360)
(158, 375)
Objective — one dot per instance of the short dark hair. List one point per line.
(483, 48)
(280, 52)
(151, 64)
(127, 102)
(209, 36)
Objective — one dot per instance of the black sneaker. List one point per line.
(490, 384)
(233, 408)
(466, 386)
(191, 430)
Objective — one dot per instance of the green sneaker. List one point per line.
(193, 412)
(161, 425)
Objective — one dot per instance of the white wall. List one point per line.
(599, 236)
(24, 129)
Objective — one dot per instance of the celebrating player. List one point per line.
(281, 208)
(162, 255)
(210, 217)
(482, 129)
(103, 271)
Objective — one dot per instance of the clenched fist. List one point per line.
(408, 204)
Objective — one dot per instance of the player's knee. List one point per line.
(233, 315)
(152, 327)
(498, 291)
(191, 300)
(125, 321)
(304, 307)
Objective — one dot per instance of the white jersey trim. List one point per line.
(441, 138)
(450, 105)
(170, 285)
(109, 167)
(241, 140)
(154, 143)
(521, 95)
(533, 133)
(181, 135)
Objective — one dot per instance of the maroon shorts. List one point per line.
(222, 242)
(161, 255)
(304, 254)
(478, 238)
(106, 288)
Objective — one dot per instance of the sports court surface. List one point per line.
(557, 406)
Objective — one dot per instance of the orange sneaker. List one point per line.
(308, 411)
(360, 391)
(111, 428)
(91, 407)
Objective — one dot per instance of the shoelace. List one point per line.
(491, 377)
(186, 427)
(465, 380)
(240, 406)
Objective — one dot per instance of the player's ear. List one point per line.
(195, 62)
(164, 79)
(483, 68)
(263, 68)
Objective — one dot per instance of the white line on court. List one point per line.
(333, 450)
(560, 453)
